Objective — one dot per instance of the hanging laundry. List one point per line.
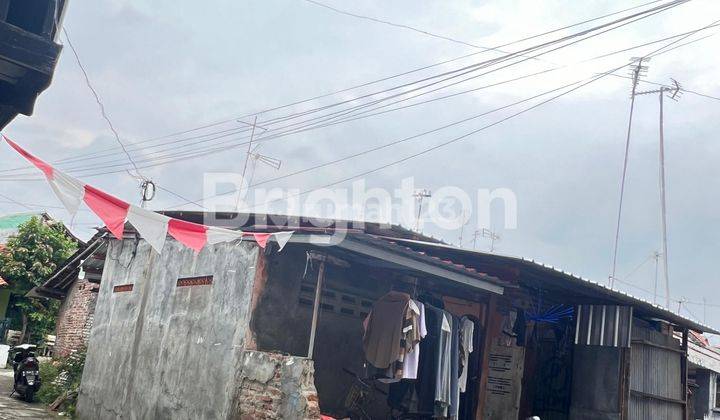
(467, 328)
(443, 393)
(454, 408)
(412, 359)
(384, 329)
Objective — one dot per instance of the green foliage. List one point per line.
(49, 390)
(27, 260)
(61, 377)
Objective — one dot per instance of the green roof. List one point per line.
(9, 224)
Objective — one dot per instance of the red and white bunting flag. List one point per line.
(216, 235)
(69, 190)
(151, 226)
(109, 209)
(193, 235)
(261, 238)
(282, 238)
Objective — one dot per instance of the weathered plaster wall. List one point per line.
(275, 386)
(161, 351)
(75, 318)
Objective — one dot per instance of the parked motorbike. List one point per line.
(27, 371)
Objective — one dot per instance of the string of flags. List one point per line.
(152, 226)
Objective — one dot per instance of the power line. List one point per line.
(385, 78)
(36, 205)
(268, 138)
(636, 76)
(205, 151)
(456, 139)
(12, 200)
(267, 110)
(393, 143)
(413, 136)
(180, 196)
(402, 26)
(99, 102)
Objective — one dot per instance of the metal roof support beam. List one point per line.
(378, 253)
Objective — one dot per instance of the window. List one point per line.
(29, 15)
(717, 391)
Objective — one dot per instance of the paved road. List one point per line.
(12, 408)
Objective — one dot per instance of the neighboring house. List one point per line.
(236, 331)
(704, 374)
(76, 285)
(9, 225)
(28, 53)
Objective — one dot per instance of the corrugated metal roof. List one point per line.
(581, 283)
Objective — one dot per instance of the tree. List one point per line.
(26, 261)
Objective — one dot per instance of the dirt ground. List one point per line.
(14, 407)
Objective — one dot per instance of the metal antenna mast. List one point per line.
(673, 93)
(420, 196)
(656, 255)
(636, 72)
(487, 233)
(250, 154)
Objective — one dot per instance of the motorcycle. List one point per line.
(26, 370)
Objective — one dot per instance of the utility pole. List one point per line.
(674, 94)
(420, 196)
(636, 71)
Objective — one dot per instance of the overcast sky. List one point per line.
(167, 66)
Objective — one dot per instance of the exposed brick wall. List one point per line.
(75, 318)
(275, 386)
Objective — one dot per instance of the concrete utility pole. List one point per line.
(674, 94)
(420, 196)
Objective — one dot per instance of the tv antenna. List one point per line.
(420, 196)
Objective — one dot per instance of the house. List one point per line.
(75, 285)
(28, 52)
(704, 376)
(241, 331)
(9, 225)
